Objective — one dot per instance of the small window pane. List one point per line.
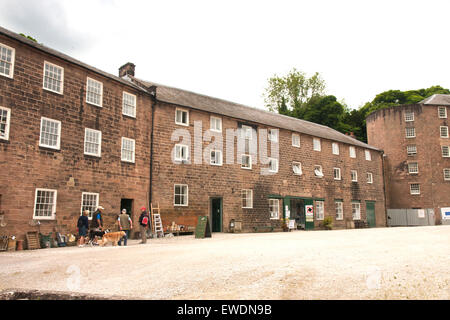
(335, 148)
(129, 104)
(295, 140)
(415, 188)
(410, 132)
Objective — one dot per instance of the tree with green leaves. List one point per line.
(290, 93)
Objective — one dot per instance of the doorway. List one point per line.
(370, 213)
(298, 213)
(216, 214)
(126, 204)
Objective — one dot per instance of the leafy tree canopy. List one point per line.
(301, 97)
(291, 92)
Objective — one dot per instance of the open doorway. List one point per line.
(216, 214)
(298, 213)
(126, 204)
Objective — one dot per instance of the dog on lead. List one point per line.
(112, 237)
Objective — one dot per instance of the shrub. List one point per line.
(328, 223)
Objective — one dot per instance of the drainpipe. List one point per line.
(383, 156)
(152, 91)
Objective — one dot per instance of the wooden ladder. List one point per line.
(156, 221)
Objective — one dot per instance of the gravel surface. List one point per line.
(381, 263)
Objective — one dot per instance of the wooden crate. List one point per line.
(33, 240)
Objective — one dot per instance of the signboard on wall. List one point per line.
(309, 213)
(445, 213)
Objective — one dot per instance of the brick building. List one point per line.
(348, 185)
(75, 137)
(415, 140)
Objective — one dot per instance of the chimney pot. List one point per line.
(127, 69)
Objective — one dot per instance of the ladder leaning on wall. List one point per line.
(156, 221)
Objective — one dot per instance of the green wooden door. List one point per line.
(370, 213)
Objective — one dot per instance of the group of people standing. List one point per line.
(124, 223)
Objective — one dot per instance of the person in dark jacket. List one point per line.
(83, 226)
(96, 225)
(144, 223)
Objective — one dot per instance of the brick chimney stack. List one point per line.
(127, 68)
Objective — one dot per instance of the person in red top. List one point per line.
(144, 220)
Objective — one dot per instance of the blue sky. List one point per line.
(228, 49)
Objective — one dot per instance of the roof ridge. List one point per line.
(273, 114)
(235, 103)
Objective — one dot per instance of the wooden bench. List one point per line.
(263, 229)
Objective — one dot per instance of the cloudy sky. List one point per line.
(228, 49)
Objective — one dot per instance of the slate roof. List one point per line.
(437, 99)
(231, 109)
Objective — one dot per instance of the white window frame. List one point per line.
(447, 153)
(87, 92)
(411, 149)
(249, 161)
(409, 130)
(133, 151)
(273, 135)
(338, 171)
(53, 211)
(99, 133)
(126, 106)
(320, 209)
(335, 148)
(369, 177)
(213, 124)
(7, 123)
(352, 151)
(93, 206)
(274, 209)
(354, 175)
(273, 162)
(339, 208)
(446, 174)
(187, 117)
(58, 144)
(13, 56)
(220, 159)
(296, 140)
(356, 210)
(61, 81)
(368, 155)
(181, 195)
(299, 166)
(414, 191)
(443, 129)
(316, 144)
(247, 132)
(178, 155)
(318, 172)
(413, 167)
(442, 116)
(409, 116)
(248, 199)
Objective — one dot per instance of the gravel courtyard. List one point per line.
(381, 263)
